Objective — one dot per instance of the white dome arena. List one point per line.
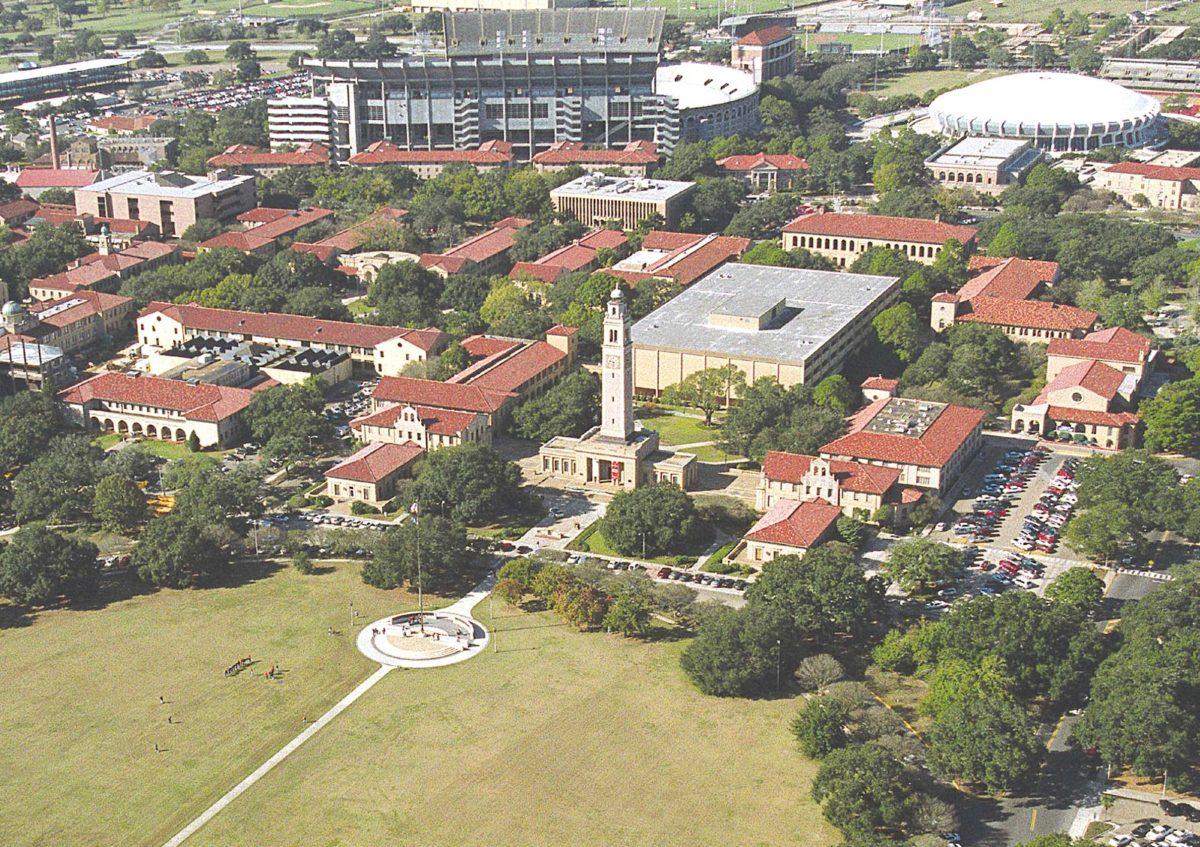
(1056, 111)
(711, 100)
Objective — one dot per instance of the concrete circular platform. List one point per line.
(413, 640)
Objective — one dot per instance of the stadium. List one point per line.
(1055, 111)
(710, 100)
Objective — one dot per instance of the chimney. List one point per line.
(54, 161)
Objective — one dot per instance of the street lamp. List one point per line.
(778, 660)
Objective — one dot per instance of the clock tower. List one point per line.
(616, 386)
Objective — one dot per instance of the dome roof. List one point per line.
(1044, 98)
(697, 85)
(11, 309)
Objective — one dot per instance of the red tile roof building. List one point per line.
(123, 124)
(486, 253)
(1118, 348)
(1163, 187)
(371, 473)
(843, 237)
(579, 255)
(879, 387)
(1001, 294)
(33, 181)
(102, 271)
(246, 158)
(384, 350)
(766, 53)
(264, 227)
(429, 163)
(81, 319)
(352, 237)
(166, 409)
(790, 527)
(637, 158)
(680, 256)
(504, 372)
(765, 172)
(859, 489)
(930, 443)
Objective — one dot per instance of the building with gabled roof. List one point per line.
(1119, 348)
(384, 350)
(842, 237)
(486, 253)
(264, 227)
(859, 489)
(372, 473)
(352, 237)
(765, 172)
(765, 53)
(580, 255)
(930, 443)
(247, 158)
(166, 409)
(34, 181)
(102, 271)
(637, 158)
(788, 528)
(428, 164)
(1089, 402)
(680, 256)
(1160, 186)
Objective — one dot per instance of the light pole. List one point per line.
(778, 660)
(415, 509)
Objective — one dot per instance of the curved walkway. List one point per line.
(368, 636)
(462, 607)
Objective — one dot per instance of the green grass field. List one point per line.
(862, 41)
(918, 82)
(678, 429)
(122, 16)
(557, 738)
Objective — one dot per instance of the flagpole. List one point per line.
(416, 511)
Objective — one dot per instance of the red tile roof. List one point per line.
(438, 421)
(506, 372)
(124, 123)
(441, 395)
(690, 256)
(292, 327)
(1035, 314)
(1085, 416)
(1163, 172)
(87, 304)
(933, 448)
(387, 153)
(577, 153)
(376, 462)
(1094, 376)
(262, 215)
(246, 242)
(1011, 279)
(880, 383)
(249, 156)
(748, 162)
(575, 256)
(18, 211)
(795, 524)
(195, 402)
(352, 237)
(56, 178)
(852, 476)
(478, 249)
(882, 227)
(765, 36)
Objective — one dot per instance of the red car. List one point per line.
(663, 573)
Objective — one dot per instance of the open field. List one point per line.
(559, 738)
(696, 9)
(864, 41)
(129, 16)
(918, 82)
(80, 726)
(1035, 11)
(678, 429)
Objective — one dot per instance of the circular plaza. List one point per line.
(423, 639)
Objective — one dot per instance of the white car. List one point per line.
(1120, 840)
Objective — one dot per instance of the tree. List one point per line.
(707, 390)
(815, 672)
(30, 422)
(629, 614)
(836, 392)
(568, 408)
(864, 792)
(238, 50)
(918, 564)
(440, 543)
(1105, 533)
(852, 531)
(471, 483)
(202, 230)
(38, 566)
(650, 520)
(1078, 588)
(119, 504)
(900, 328)
(820, 728)
(768, 416)
(57, 485)
(1172, 418)
(822, 594)
(181, 550)
(151, 59)
(736, 652)
(985, 737)
(288, 421)
(302, 562)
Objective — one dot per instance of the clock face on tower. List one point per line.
(612, 361)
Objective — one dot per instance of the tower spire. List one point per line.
(616, 420)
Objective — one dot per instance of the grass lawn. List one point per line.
(677, 429)
(538, 743)
(81, 725)
(139, 18)
(696, 9)
(509, 526)
(918, 82)
(592, 540)
(862, 41)
(558, 738)
(1035, 11)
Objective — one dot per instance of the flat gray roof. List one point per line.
(817, 306)
(60, 70)
(981, 152)
(490, 32)
(166, 184)
(622, 188)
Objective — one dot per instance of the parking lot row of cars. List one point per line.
(1151, 833)
(217, 100)
(1006, 481)
(1041, 528)
(668, 574)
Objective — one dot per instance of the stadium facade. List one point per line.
(532, 78)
